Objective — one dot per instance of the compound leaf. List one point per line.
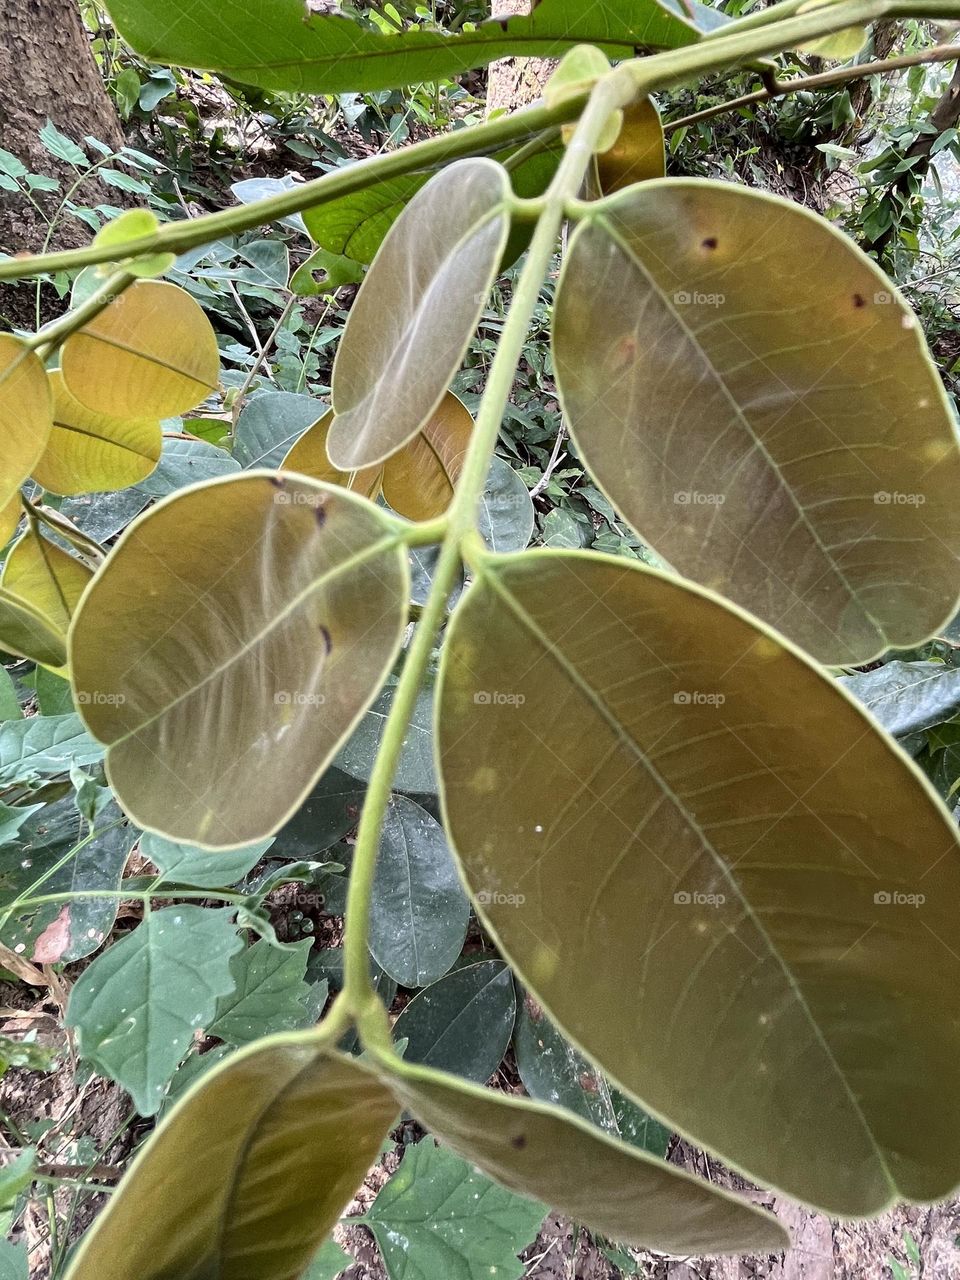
(224, 669)
(743, 892)
(152, 353)
(725, 362)
(137, 1006)
(415, 312)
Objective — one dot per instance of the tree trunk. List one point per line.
(515, 82)
(47, 70)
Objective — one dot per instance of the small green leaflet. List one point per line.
(438, 1217)
(14, 1263)
(328, 1263)
(269, 994)
(137, 1007)
(186, 864)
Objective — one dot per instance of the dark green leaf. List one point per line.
(907, 697)
(268, 996)
(269, 425)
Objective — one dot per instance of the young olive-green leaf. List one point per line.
(152, 353)
(638, 153)
(230, 643)
(247, 1174)
(756, 398)
(416, 311)
(309, 457)
(43, 575)
(284, 46)
(418, 912)
(92, 452)
(26, 631)
(26, 417)
(760, 876)
(554, 1156)
(137, 1006)
(418, 482)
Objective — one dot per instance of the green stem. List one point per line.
(612, 93)
(179, 237)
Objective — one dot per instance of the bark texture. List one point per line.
(515, 82)
(47, 71)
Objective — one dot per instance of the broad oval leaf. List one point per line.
(151, 353)
(269, 427)
(286, 48)
(725, 362)
(415, 769)
(275, 1140)
(550, 1154)
(309, 457)
(26, 415)
(419, 481)
(416, 311)
(764, 878)
(46, 577)
(638, 153)
(506, 515)
(24, 630)
(89, 452)
(224, 668)
(418, 912)
(463, 1022)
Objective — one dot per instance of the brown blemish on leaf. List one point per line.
(54, 940)
(519, 1141)
(588, 1083)
(327, 639)
(709, 243)
(859, 300)
(278, 482)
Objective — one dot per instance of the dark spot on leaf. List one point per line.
(519, 1141)
(588, 1083)
(320, 514)
(859, 300)
(327, 640)
(710, 242)
(278, 482)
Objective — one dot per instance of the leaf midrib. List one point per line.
(552, 651)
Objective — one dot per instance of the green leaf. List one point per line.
(26, 631)
(546, 1153)
(62, 147)
(248, 1174)
(553, 1071)
(285, 48)
(416, 311)
(288, 600)
(137, 1006)
(134, 224)
(10, 708)
(14, 1261)
(415, 770)
(15, 1175)
(506, 517)
(26, 415)
(184, 462)
(737, 861)
(907, 697)
(328, 1263)
(268, 995)
(463, 1023)
(334, 269)
(354, 226)
(723, 358)
(437, 1216)
(62, 932)
(186, 864)
(328, 813)
(418, 913)
(270, 424)
(44, 745)
(54, 696)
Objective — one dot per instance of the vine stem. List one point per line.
(611, 93)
